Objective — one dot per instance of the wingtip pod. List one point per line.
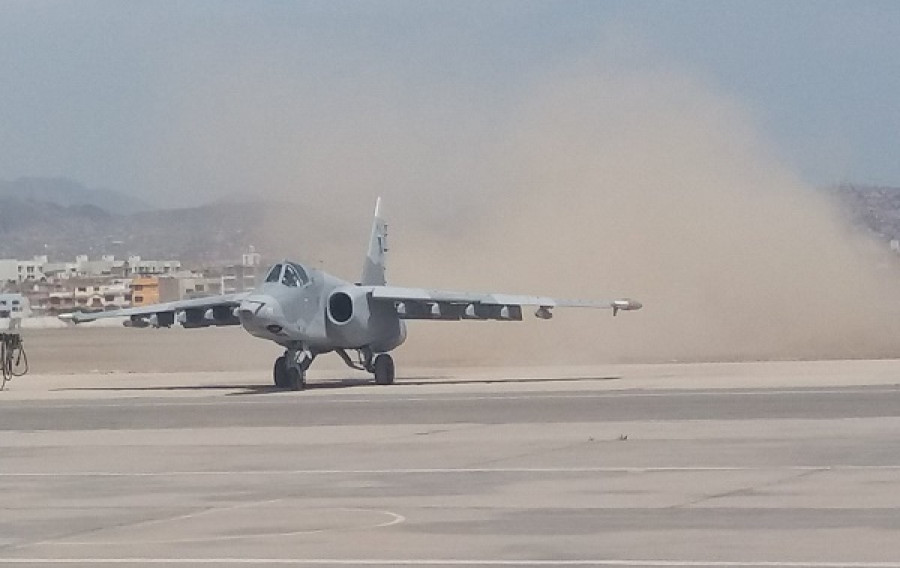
(625, 304)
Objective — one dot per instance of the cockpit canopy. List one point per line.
(289, 274)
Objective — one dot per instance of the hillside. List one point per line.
(214, 233)
(876, 208)
(209, 233)
(67, 193)
(39, 221)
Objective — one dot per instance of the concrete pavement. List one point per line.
(779, 464)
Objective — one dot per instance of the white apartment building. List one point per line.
(22, 270)
(88, 294)
(136, 266)
(39, 268)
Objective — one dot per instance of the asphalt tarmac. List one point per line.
(756, 464)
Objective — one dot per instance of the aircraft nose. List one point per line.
(261, 311)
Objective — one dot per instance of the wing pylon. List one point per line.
(423, 303)
(197, 312)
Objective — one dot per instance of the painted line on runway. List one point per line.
(456, 398)
(393, 519)
(461, 470)
(454, 562)
(166, 520)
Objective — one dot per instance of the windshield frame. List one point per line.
(273, 276)
(302, 273)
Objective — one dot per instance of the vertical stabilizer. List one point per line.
(373, 269)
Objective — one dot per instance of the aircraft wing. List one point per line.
(197, 312)
(423, 303)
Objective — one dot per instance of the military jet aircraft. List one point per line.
(310, 313)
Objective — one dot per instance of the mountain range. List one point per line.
(66, 193)
(62, 218)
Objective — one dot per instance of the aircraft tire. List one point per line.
(384, 369)
(279, 373)
(296, 379)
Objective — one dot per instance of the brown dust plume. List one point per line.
(594, 182)
(651, 186)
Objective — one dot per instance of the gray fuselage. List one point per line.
(297, 305)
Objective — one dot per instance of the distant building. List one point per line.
(239, 278)
(84, 267)
(106, 265)
(136, 266)
(13, 306)
(12, 270)
(172, 288)
(53, 288)
(251, 257)
(60, 270)
(89, 294)
(38, 294)
(144, 290)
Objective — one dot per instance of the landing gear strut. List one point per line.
(381, 365)
(290, 369)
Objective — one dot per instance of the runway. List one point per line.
(763, 464)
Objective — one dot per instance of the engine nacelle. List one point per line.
(353, 320)
(348, 316)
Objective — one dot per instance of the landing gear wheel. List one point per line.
(383, 369)
(296, 379)
(279, 373)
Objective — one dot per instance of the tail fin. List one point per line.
(373, 269)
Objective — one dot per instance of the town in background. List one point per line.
(39, 288)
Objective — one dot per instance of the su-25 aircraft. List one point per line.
(310, 312)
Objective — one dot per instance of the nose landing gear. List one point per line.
(290, 369)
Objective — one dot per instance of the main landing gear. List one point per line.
(290, 369)
(381, 365)
(383, 369)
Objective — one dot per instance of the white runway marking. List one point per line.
(393, 519)
(463, 470)
(437, 562)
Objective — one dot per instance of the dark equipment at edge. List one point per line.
(13, 360)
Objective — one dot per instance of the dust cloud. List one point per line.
(589, 182)
(652, 186)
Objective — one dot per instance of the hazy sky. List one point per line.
(176, 100)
